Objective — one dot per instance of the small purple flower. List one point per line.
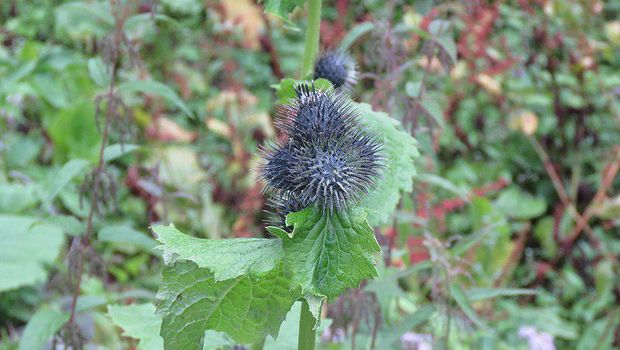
(416, 341)
(537, 340)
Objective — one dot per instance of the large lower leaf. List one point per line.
(400, 150)
(27, 246)
(225, 258)
(329, 252)
(247, 308)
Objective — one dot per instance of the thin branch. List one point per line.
(84, 240)
(608, 176)
(559, 188)
(268, 46)
(514, 258)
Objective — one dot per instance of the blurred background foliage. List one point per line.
(509, 240)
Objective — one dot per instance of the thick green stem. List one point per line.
(307, 334)
(311, 47)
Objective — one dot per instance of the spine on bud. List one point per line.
(328, 159)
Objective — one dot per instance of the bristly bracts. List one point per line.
(328, 158)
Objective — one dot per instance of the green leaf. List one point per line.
(544, 318)
(69, 224)
(464, 304)
(118, 150)
(16, 198)
(469, 241)
(386, 287)
(289, 331)
(228, 258)
(73, 131)
(403, 28)
(388, 339)
(124, 235)
(155, 88)
(246, 308)
(217, 340)
(27, 246)
(140, 322)
(41, 327)
(520, 205)
(438, 27)
(16, 74)
(85, 14)
(136, 21)
(400, 151)
(68, 171)
(604, 277)
(278, 231)
(315, 305)
(282, 8)
(98, 71)
(447, 51)
(543, 231)
(444, 183)
(598, 334)
(183, 7)
(478, 294)
(51, 90)
(412, 88)
(322, 84)
(354, 34)
(21, 151)
(329, 252)
(431, 108)
(285, 90)
(491, 238)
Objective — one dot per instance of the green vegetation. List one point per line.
(133, 143)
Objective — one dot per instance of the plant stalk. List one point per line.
(311, 46)
(307, 334)
(84, 240)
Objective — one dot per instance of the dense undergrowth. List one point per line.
(117, 116)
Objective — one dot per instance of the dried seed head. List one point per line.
(337, 67)
(328, 159)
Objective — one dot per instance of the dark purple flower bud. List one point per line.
(337, 67)
(328, 160)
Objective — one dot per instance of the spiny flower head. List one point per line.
(337, 67)
(328, 158)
